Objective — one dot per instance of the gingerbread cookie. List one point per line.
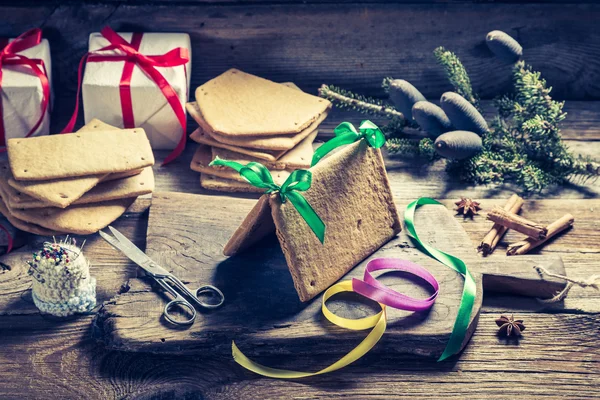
(261, 107)
(78, 154)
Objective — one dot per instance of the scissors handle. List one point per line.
(183, 304)
(194, 296)
(178, 302)
(175, 287)
(214, 291)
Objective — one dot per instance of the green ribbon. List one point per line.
(298, 181)
(461, 323)
(345, 133)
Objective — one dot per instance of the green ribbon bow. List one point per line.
(465, 309)
(298, 181)
(345, 133)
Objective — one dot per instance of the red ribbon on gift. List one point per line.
(148, 64)
(9, 56)
(9, 239)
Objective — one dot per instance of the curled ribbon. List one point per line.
(374, 290)
(298, 181)
(148, 64)
(469, 289)
(377, 321)
(346, 133)
(9, 56)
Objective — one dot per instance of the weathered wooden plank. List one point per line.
(271, 283)
(354, 46)
(406, 175)
(581, 238)
(186, 235)
(59, 360)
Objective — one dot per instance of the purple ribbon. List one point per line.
(372, 289)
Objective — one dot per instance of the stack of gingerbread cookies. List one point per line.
(75, 183)
(245, 118)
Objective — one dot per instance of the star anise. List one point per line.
(509, 326)
(467, 207)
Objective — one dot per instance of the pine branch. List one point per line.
(427, 149)
(386, 83)
(352, 101)
(587, 164)
(457, 74)
(524, 144)
(505, 105)
(402, 146)
(584, 169)
(395, 128)
(533, 178)
(485, 168)
(412, 147)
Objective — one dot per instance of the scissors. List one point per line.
(166, 280)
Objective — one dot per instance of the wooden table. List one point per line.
(354, 45)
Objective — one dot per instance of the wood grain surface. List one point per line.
(41, 356)
(187, 233)
(354, 46)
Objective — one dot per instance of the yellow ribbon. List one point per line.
(377, 322)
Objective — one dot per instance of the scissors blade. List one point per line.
(111, 240)
(134, 253)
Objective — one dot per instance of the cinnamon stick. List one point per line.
(518, 223)
(492, 238)
(524, 246)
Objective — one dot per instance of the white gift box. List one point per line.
(22, 94)
(151, 111)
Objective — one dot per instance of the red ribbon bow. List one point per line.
(9, 56)
(132, 57)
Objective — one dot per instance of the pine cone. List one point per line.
(404, 95)
(431, 118)
(458, 145)
(503, 46)
(462, 114)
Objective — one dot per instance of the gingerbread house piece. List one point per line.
(351, 193)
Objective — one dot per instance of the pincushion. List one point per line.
(62, 285)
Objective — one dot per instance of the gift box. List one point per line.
(25, 106)
(118, 90)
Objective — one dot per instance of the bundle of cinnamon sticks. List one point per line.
(507, 217)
